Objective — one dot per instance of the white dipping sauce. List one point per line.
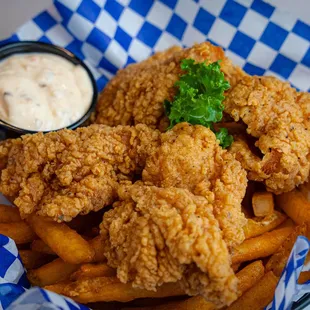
(42, 91)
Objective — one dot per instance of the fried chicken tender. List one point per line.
(159, 235)
(64, 173)
(136, 94)
(279, 117)
(190, 157)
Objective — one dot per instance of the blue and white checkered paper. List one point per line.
(110, 34)
(288, 290)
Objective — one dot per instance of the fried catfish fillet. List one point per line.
(66, 173)
(160, 235)
(190, 157)
(279, 118)
(136, 94)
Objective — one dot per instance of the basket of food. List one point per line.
(183, 185)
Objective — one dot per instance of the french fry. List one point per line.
(262, 203)
(305, 190)
(259, 296)
(51, 273)
(110, 289)
(33, 259)
(295, 205)
(247, 277)
(97, 245)
(20, 232)
(39, 246)
(256, 227)
(278, 260)
(263, 245)
(64, 241)
(93, 270)
(9, 214)
(304, 277)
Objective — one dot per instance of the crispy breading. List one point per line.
(190, 157)
(136, 94)
(278, 116)
(160, 235)
(64, 173)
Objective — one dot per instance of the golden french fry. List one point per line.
(64, 241)
(263, 245)
(263, 204)
(305, 190)
(97, 245)
(20, 232)
(247, 277)
(259, 296)
(256, 227)
(304, 277)
(51, 273)
(39, 246)
(110, 289)
(93, 270)
(295, 205)
(9, 214)
(278, 260)
(33, 259)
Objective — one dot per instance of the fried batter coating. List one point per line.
(190, 157)
(160, 235)
(136, 94)
(278, 116)
(64, 173)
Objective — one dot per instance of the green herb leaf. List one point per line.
(225, 139)
(199, 98)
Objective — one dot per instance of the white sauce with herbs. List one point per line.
(42, 91)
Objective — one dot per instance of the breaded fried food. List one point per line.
(190, 157)
(66, 173)
(279, 117)
(160, 235)
(136, 94)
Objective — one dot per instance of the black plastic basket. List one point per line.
(302, 303)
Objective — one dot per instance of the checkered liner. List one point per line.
(110, 34)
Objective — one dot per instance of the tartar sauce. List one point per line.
(42, 91)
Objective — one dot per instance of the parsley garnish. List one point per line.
(199, 98)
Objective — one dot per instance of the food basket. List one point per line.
(109, 35)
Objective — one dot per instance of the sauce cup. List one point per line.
(24, 47)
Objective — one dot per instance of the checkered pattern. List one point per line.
(13, 279)
(36, 297)
(111, 34)
(14, 293)
(288, 290)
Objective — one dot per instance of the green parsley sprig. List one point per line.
(199, 98)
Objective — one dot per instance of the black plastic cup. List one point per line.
(25, 47)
